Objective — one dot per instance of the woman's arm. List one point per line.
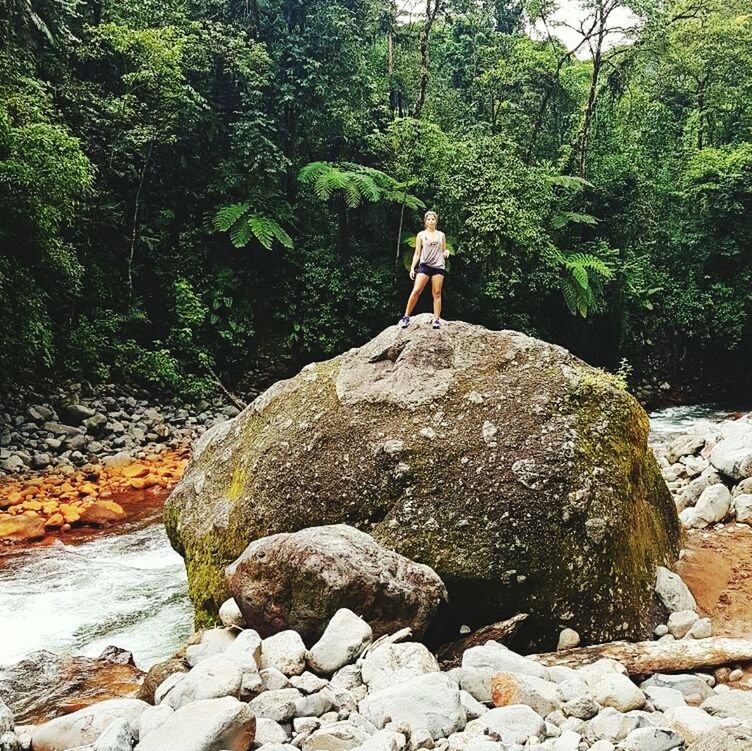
(443, 245)
(416, 255)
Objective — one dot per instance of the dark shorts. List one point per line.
(424, 268)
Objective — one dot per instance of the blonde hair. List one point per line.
(430, 211)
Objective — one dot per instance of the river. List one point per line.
(128, 588)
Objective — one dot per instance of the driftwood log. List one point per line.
(648, 657)
(450, 655)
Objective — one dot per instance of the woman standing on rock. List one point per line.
(428, 263)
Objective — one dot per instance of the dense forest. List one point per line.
(193, 190)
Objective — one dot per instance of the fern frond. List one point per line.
(572, 217)
(570, 182)
(580, 276)
(569, 291)
(228, 215)
(241, 234)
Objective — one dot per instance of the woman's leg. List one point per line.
(437, 282)
(420, 283)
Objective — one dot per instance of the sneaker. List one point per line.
(437, 323)
(404, 322)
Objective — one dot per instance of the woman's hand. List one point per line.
(412, 274)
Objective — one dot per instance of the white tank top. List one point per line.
(431, 251)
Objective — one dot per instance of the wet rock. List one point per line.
(21, 527)
(43, 684)
(344, 638)
(157, 674)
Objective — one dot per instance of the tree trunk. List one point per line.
(432, 10)
(450, 655)
(134, 220)
(648, 657)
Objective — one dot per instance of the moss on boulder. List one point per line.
(520, 474)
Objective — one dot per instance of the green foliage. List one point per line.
(243, 226)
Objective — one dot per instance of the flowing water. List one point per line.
(128, 588)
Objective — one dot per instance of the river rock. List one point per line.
(211, 642)
(473, 509)
(724, 739)
(712, 506)
(157, 674)
(85, 726)
(212, 678)
(44, 685)
(480, 664)
(515, 688)
(513, 724)
(732, 455)
(735, 703)
(651, 739)
(278, 705)
(619, 692)
(342, 567)
(429, 701)
(344, 638)
(117, 737)
(21, 527)
(204, 725)
(285, 651)
(391, 664)
(690, 722)
(230, 615)
(680, 622)
(693, 490)
(672, 591)
(686, 683)
(152, 718)
(337, 736)
(743, 508)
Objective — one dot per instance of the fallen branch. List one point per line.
(450, 655)
(648, 657)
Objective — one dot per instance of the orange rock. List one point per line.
(30, 490)
(56, 520)
(87, 488)
(135, 470)
(50, 507)
(31, 513)
(71, 517)
(103, 512)
(138, 483)
(32, 506)
(13, 499)
(20, 527)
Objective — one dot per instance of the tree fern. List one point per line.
(581, 281)
(244, 225)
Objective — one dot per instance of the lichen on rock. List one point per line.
(520, 474)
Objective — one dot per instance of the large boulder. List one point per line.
(340, 567)
(520, 474)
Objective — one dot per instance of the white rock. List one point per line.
(567, 741)
(339, 736)
(278, 705)
(735, 703)
(152, 718)
(430, 701)
(164, 688)
(516, 688)
(595, 671)
(395, 663)
(568, 638)
(686, 683)
(213, 678)
(690, 722)
(274, 679)
(680, 622)
(611, 725)
(349, 677)
(246, 647)
(619, 692)
(344, 638)
(315, 705)
(308, 683)
(651, 739)
(117, 737)
(213, 642)
(204, 725)
(661, 630)
(82, 728)
(385, 740)
(695, 465)
(732, 455)
(479, 664)
(513, 724)
(284, 651)
(712, 506)
(602, 745)
(702, 628)
(230, 615)
(574, 688)
(673, 592)
(473, 708)
(665, 698)
(743, 507)
(561, 673)
(269, 731)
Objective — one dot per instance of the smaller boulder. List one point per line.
(344, 638)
